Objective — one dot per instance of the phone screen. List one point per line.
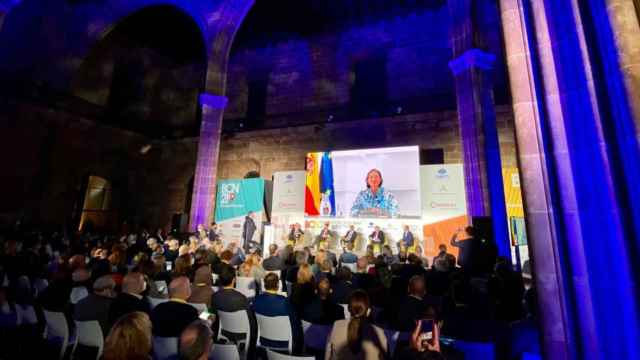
(169, 266)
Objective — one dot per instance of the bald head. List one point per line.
(180, 288)
(417, 286)
(133, 283)
(195, 341)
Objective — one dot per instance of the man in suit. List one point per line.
(248, 229)
(295, 235)
(377, 239)
(322, 310)
(96, 305)
(343, 287)
(324, 238)
(350, 237)
(270, 303)
(212, 234)
(228, 299)
(171, 317)
(348, 257)
(407, 239)
(130, 299)
(273, 262)
(413, 305)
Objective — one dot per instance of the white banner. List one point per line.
(443, 192)
(288, 203)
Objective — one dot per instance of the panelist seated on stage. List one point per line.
(350, 237)
(374, 201)
(324, 238)
(377, 237)
(295, 234)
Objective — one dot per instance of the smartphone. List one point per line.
(426, 330)
(205, 315)
(169, 266)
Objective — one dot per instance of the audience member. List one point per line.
(201, 289)
(196, 341)
(348, 257)
(96, 305)
(273, 262)
(129, 338)
(171, 317)
(322, 310)
(303, 290)
(343, 287)
(356, 338)
(413, 305)
(130, 299)
(252, 267)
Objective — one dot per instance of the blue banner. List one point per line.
(327, 194)
(235, 198)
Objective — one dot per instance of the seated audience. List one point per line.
(96, 305)
(172, 251)
(196, 341)
(303, 290)
(348, 257)
(130, 299)
(271, 303)
(130, 338)
(201, 290)
(322, 310)
(225, 259)
(183, 266)
(343, 287)
(171, 317)
(252, 267)
(273, 262)
(356, 338)
(413, 305)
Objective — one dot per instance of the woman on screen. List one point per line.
(374, 201)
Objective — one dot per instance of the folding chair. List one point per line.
(272, 355)
(78, 293)
(57, 329)
(352, 266)
(276, 329)
(224, 352)
(165, 348)
(200, 307)
(90, 334)
(153, 302)
(347, 314)
(236, 323)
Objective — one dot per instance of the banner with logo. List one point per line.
(234, 200)
(443, 192)
(288, 203)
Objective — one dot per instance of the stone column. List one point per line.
(204, 184)
(533, 152)
(569, 160)
(472, 69)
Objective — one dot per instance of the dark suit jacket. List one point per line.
(379, 239)
(273, 263)
(171, 317)
(342, 290)
(350, 237)
(125, 303)
(323, 312)
(412, 310)
(407, 238)
(94, 307)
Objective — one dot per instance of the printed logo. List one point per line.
(229, 193)
(442, 174)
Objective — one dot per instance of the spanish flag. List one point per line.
(312, 188)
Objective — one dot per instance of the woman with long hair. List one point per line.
(357, 338)
(303, 290)
(129, 338)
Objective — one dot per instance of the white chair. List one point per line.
(352, 266)
(165, 348)
(57, 329)
(39, 285)
(26, 315)
(236, 323)
(214, 278)
(162, 287)
(272, 355)
(277, 272)
(247, 286)
(200, 307)
(153, 302)
(275, 328)
(315, 335)
(224, 352)
(78, 293)
(347, 314)
(90, 334)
